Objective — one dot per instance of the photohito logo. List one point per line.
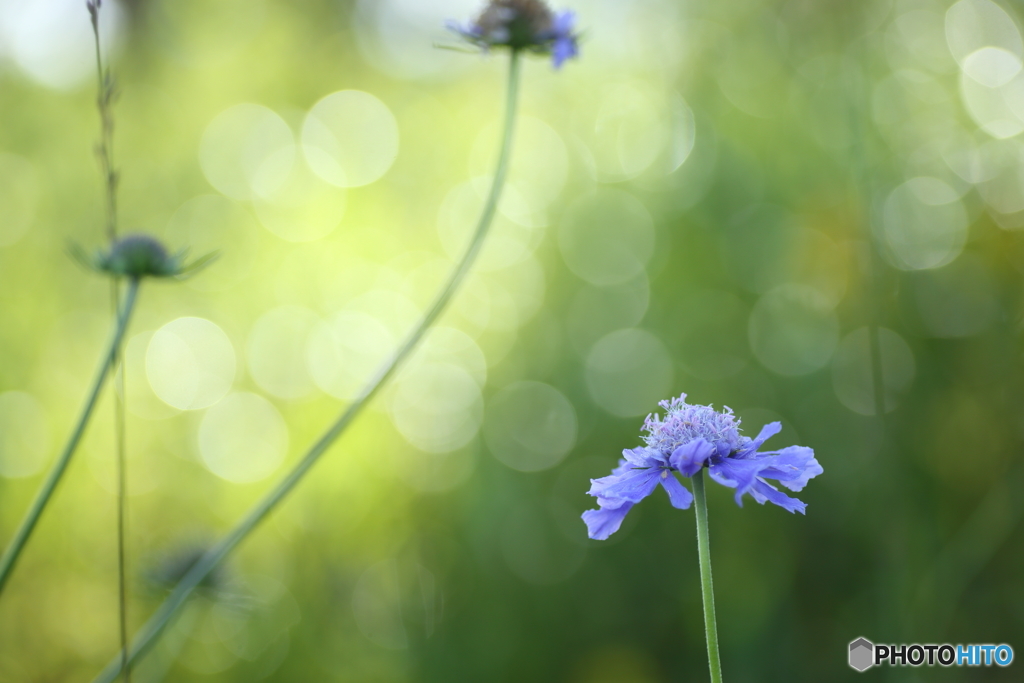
(864, 654)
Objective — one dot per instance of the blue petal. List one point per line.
(633, 486)
(678, 495)
(793, 467)
(643, 457)
(624, 466)
(768, 431)
(563, 23)
(690, 457)
(605, 521)
(736, 473)
(763, 491)
(564, 48)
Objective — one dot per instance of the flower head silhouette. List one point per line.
(138, 256)
(523, 25)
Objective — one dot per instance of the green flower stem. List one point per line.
(707, 590)
(149, 634)
(104, 101)
(122, 507)
(10, 556)
(105, 150)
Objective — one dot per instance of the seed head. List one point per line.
(138, 256)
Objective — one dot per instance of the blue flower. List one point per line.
(523, 25)
(687, 439)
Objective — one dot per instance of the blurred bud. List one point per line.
(523, 25)
(139, 256)
(167, 571)
(94, 11)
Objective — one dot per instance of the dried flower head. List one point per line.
(139, 256)
(523, 25)
(687, 439)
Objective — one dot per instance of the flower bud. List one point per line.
(139, 256)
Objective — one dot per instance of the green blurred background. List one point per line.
(692, 208)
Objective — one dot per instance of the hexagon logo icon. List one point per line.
(862, 654)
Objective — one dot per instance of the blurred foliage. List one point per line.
(716, 199)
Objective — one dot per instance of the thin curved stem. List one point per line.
(122, 511)
(10, 556)
(202, 568)
(707, 590)
(105, 151)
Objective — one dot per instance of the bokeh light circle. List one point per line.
(343, 352)
(141, 399)
(992, 108)
(294, 203)
(538, 171)
(508, 242)
(793, 330)
(628, 372)
(276, 351)
(853, 374)
(606, 238)
(437, 407)
(627, 130)
(918, 36)
(52, 40)
(925, 224)
(243, 438)
(992, 66)
(444, 344)
(238, 142)
(190, 363)
(350, 138)
(530, 426)
(596, 311)
(973, 25)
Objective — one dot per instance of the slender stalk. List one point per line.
(122, 513)
(105, 151)
(13, 551)
(201, 569)
(707, 590)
